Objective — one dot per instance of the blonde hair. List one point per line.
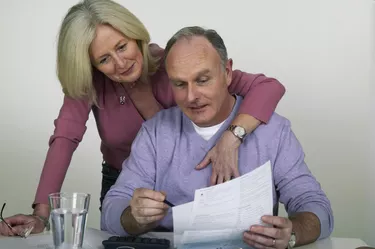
(77, 31)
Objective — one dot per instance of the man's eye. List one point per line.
(201, 81)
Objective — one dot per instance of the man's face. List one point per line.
(199, 80)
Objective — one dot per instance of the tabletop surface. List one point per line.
(94, 237)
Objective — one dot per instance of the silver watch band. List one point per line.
(45, 221)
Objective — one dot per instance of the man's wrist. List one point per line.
(130, 224)
(306, 226)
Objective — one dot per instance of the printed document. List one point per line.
(220, 214)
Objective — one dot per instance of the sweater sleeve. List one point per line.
(261, 94)
(70, 127)
(138, 171)
(298, 189)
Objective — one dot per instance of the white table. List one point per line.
(94, 238)
(329, 243)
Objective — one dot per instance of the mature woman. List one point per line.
(106, 64)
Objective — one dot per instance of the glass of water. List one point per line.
(68, 219)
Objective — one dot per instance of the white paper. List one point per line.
(222, 213)
(181, 221)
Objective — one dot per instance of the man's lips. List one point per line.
(195, 108)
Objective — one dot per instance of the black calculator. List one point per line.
(130, 242)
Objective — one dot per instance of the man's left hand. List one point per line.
(275, 236)
(224, 158)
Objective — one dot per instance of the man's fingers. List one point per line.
(148, 193)
(257, 240)
(267, 231)
(149, 203)
(148, 212)
(149, 219)
(277, 221)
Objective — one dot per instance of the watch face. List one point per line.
(292, 241)
(239, 131)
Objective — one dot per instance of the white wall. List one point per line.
(320, 50)
(370, 205)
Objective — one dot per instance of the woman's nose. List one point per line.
(120, 63)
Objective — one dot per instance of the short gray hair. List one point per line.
(211, 35)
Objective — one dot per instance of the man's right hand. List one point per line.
(147, 206)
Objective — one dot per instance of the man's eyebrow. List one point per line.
(199, 74)
(203, 72)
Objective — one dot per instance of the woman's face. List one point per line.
(115, 55)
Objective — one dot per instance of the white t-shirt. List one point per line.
(207, 132)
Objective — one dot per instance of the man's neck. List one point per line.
(225, 110)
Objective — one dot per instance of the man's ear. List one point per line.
(228, 71)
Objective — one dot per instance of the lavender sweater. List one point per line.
(167, 148)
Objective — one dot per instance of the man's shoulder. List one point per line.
(276, 124)
(166, 118)
(278, 120)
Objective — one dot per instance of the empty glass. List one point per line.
(68, 219)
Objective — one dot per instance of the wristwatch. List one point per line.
(292, 241)
(238, 131)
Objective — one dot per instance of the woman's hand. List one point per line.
(21, 225)
(224, 159)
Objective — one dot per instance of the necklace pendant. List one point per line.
(122, 100)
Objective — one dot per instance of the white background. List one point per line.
(321, 50)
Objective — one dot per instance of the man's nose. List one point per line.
(192, 92)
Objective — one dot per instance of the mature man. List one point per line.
(168, 145)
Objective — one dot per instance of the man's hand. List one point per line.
(224, 158)
(275, 236)
(147, 206)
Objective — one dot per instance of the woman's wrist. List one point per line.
(42, 212)
(41, 209)
(249, 123)
(231, 140)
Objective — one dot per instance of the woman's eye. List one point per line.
(122, 47)
(102, 61)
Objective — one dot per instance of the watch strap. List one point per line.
(45, 221)
(232, 127)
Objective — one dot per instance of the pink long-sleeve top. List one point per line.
(118, 120)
